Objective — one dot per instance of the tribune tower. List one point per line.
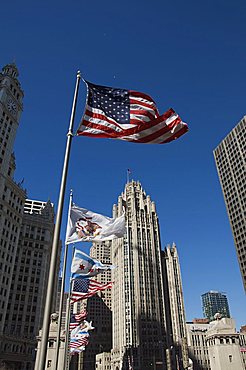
(139, 324)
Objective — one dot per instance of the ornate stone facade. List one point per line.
(139, 322)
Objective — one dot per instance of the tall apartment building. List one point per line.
(215, 302)
(99, 308)
(230, 158)
(139, 322)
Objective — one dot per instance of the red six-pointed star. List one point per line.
(81, 267)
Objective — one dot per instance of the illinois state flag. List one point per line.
(128, 115)
(85, 225)
(86, 266)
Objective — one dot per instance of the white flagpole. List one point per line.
(56, 361)
(56, 237)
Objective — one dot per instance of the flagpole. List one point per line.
(68, 311)
(56, 237)
(58, 337)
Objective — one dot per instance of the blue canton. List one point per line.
(115, 103)
(81, 285)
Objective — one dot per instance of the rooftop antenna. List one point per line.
(128, 175)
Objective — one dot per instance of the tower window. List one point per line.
(230, 358)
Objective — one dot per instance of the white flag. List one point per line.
(85, 225)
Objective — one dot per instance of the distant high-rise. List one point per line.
(230, 158)
(215, 302)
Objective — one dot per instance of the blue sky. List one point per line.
(187, 55)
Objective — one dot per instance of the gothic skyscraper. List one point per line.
(139, 322)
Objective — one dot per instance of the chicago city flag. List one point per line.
(84, 225)
(128, 115)
(85, 266)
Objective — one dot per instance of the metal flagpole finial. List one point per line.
(80, 76)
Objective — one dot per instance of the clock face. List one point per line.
(12, 107)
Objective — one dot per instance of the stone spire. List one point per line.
(10, 70)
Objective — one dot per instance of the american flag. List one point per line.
(76, 351)
(128, 115)
(76, 319)
(85, 288)
(81, 316)
(80, 341)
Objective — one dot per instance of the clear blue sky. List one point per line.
(189, 55)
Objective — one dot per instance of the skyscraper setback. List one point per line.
(230, 158)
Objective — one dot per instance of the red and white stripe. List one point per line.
(83, 341)
(81, 316)
(73, 325)
(93, 289)
(142, 108)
